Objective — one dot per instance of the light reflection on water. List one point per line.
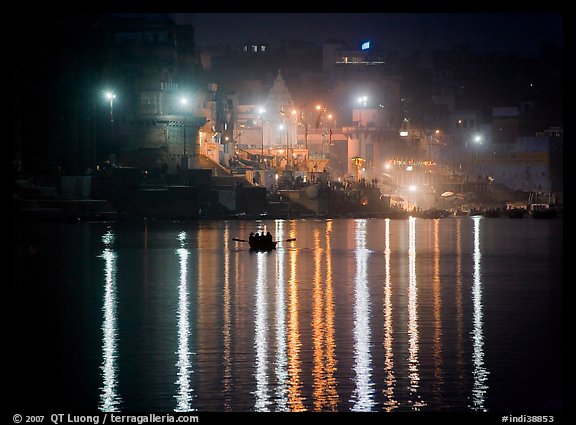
(438, 376)
(360, 315)
(109, 397)
(260, 336)
(227, 379)
(183, 365)
(390, 403)
(295, 397)
(363, 397)
(325, 395)
(413, 336)
(480, 373)
(281, 362)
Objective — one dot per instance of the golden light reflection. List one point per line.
(183, 365)
(295, 398)
(438, 377)
(363, 395)
(227, 324)
(109, 399)
(331, 393)
(390, 403)
(317, 326)
(260, 337)
(480, 373)
(324, 388)
(413, 337)
(281, 363)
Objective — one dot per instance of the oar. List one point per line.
(244, 240)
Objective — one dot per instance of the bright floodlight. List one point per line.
(412, 188)
(478, 138)
(183, 100)
(110, 95)
(281, 127)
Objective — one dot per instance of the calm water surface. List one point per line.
(458, 314)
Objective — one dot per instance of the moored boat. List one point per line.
(516, 212)
(542, 211)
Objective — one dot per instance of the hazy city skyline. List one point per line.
(524, 32)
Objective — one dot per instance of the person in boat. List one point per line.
(268, 237)
(252, 238)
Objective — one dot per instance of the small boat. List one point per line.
(258, 244)
(262, 245)
(492, 213)
(516, 209)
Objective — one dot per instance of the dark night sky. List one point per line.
(524, 32)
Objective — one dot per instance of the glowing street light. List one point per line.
(411, 198)
(362, 101)
(111, 96)
(261, 112)
(478, 141)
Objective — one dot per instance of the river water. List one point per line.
(460, 314)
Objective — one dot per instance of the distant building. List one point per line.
(154, 70)
(280, 117)
(505, 124)
(523, 165)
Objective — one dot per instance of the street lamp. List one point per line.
(111, 96)
(412, 190)
(302, 119)
(362, 101)
(184, 103)
(332, 123)
(478, 141)
(262, 111)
